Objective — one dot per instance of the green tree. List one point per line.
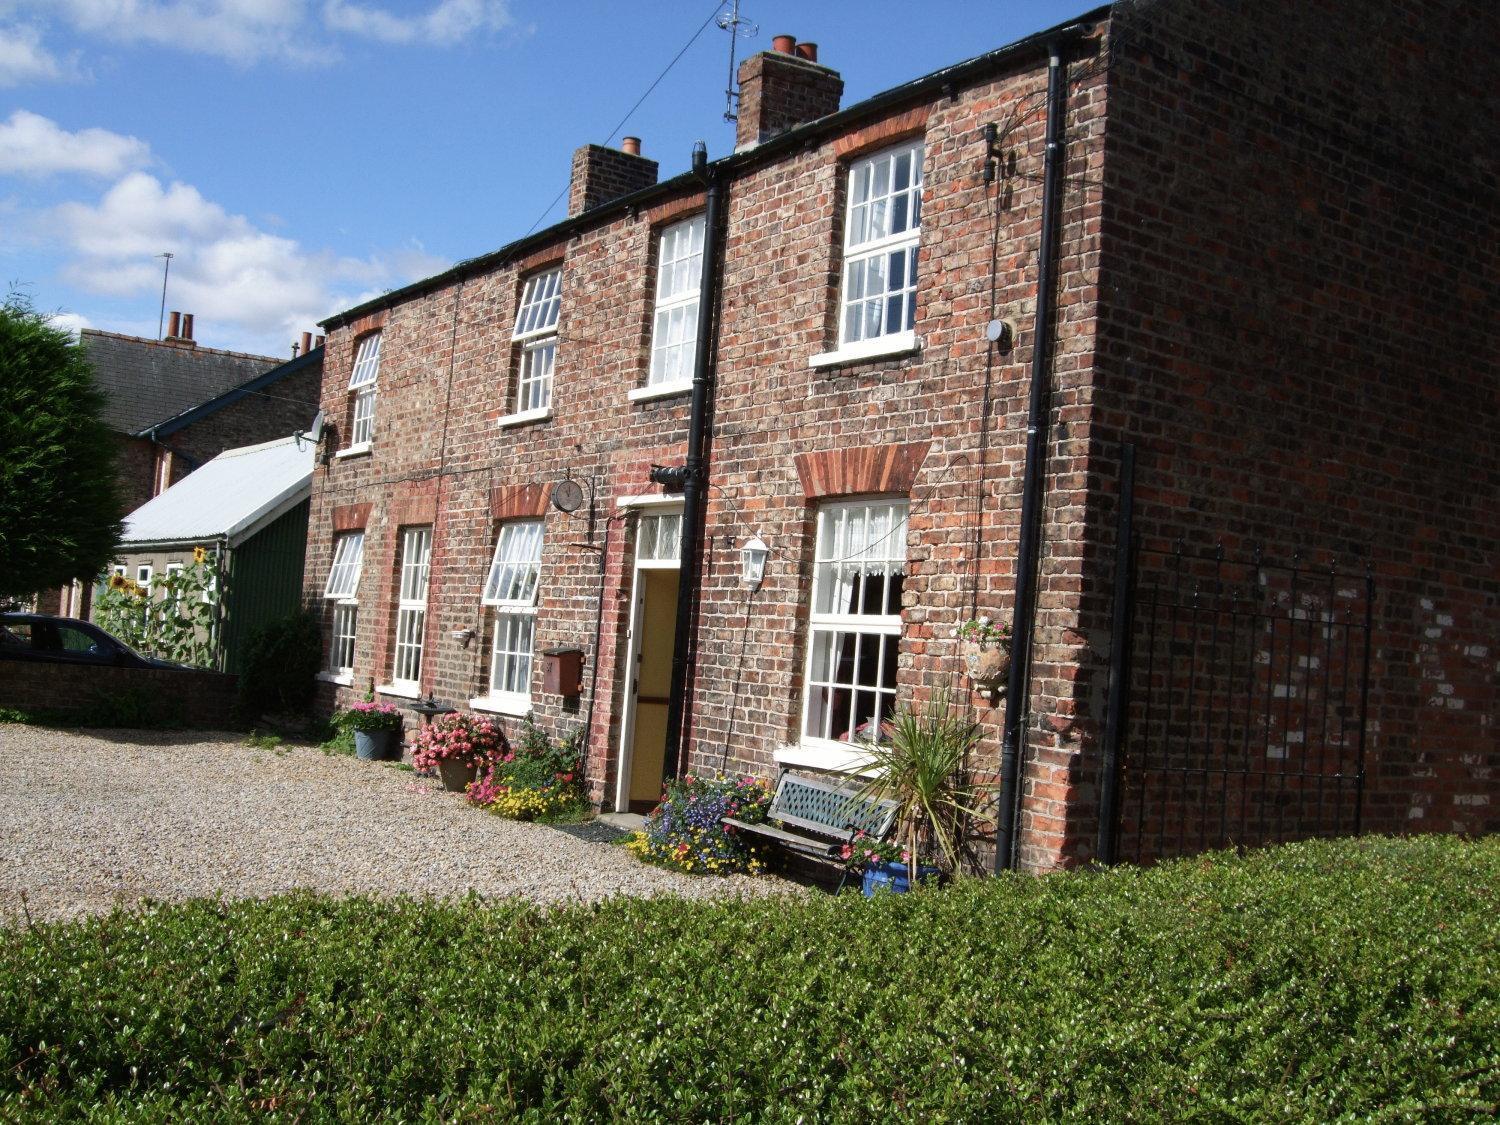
(60, 508)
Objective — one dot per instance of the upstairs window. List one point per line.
(679, 278)
(858, 572)
(882, 230)
(536, 332)
(342, 592)
(362, 391)
(511, 590)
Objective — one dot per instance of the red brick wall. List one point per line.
(448, 365)
(1296, 330)
(194, 698)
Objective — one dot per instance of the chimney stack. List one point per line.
(783, 88)
(601, 174)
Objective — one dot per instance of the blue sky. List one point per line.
(299, 156)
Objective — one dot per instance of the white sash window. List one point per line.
(511, 590)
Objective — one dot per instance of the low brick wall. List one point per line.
(195, 699)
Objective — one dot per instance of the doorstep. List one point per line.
(624, 821)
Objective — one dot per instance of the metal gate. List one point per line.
(1238, 699)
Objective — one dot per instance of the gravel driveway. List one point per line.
(91, 820)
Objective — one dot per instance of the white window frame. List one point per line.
(342, 592)
(854, 540)
(175, 568)
(867, 206)
(674, 325)
(362, 386)
(143, 576)
(537, 315)
(411, 609)
(653, 549)
(511, 591)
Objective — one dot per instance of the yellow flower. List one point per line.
(117, 582)
(199, 555)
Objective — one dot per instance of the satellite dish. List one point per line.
(567, 496)
(315, 431)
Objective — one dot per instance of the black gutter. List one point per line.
(919, 89)
(1028, 549)
(695, 475)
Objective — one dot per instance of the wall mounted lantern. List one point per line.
(753, 558)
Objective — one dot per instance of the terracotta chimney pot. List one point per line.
(808, 51)
(174, 324)
(632, 145)
(783, 43)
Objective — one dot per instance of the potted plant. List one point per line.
(457, 745)
(882, 863)
(921, 764)
(985, 648)
(376, 728)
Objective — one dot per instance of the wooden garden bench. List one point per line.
(818, 817)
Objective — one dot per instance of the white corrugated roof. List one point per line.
(233, 495)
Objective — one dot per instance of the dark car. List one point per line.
(62, 640)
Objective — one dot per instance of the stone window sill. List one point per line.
(882, 347)
(660, 390)
(362, 450)
(525, 417)
(518, 706)
(833, 757)
(399, 691)
(343, 678)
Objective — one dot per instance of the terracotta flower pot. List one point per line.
(987, 662)
(456, 775)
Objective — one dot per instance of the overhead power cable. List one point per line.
(631, 111)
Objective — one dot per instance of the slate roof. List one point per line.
(147, 382)
(234, 495)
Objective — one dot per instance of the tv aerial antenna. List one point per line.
(732, 22)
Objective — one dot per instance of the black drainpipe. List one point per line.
(1029, 547)
(694, 472)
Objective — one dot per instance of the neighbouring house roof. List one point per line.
(147, 382)
(233, 496)
(313, 357)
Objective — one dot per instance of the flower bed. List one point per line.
(685, 832)
(540, 779)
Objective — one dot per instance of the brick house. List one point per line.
(911, 355)
(174, 405)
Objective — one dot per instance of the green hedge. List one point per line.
(1310, 983)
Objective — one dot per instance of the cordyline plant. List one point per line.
(922, 765)
(176, 620)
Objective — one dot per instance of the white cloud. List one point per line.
(32, 145)
(241, 31)
(257, 289)
(70, 322)
(447, 23)
(24, 59)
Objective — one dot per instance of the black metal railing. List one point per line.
(1238, 705)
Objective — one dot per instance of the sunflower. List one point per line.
(199, 555)
(117, 582)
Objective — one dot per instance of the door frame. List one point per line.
(625, 758)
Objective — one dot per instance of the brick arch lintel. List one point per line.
(863, 469)
(519, 501)
(351, 517)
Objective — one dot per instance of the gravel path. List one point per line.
(91, 820)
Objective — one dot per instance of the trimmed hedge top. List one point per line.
(1314, 982)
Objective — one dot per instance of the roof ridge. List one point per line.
(196, 349)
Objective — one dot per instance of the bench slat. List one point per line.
(789, 839)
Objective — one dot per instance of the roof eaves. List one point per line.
(1073, 29)
(232, 396)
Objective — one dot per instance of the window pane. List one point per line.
(348, 556)
(541, 301)
(366, 362)
(514, 570)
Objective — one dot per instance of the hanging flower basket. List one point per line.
(985, 648)
(987, 662)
